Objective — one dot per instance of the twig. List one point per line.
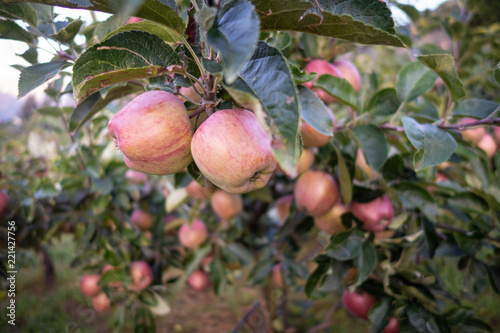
(245, 318)
(327, 322)
(456, 229)
(200, 110)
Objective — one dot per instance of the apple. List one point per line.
(101, 302)
(488, 145)
(136, 177)
(88, 284)
(193, 236)
(113, 284)
(226, 205)
(199, 280)
(376, 215)
(361, 163)
(313, 138)
(474, 135)
(392, 326)
(197, 191)
(4, 201)
(133, 19)
(141, 275)
(234, 151)
(141, 219)
(349, 72)
(358, 303)
(331, 221)
(283, 206)
(306, 160)
(276, 276)
(315, 192)
(154, 133)
(321, 67)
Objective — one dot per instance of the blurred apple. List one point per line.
(283, 206)
(4, 201)
(141, 275)
(349, 72)
(315, 192)
(191, 93)
(474, 135)
(197, 191)
(141, 219)
(358, 303)
(384, 234)
(88, 284)
(136, 177)
(313, 138)
(361, 163)
(392, 327)
(488, 145)
(193, 236)
(331, 221)
(226, 205)
(321, 67)
(199, 280)
(376, 215)
(306, 160)
(234, 151)
(101, 302)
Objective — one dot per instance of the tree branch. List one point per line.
(245, 318)
(327, 322)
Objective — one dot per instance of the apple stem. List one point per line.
(200, 110)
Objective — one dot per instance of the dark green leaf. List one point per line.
(477, 108)
(467, 243)
(11, 30)
(365, 262)
(497, 73)
(300, 76)
(148, 26)
(34, 76)
(384, 102)
(314, 111)
(364, 195)
(380, 314)
(195, 261)
(479, 324)
(346, 245)
(373, 143)
(494, 277)
(444, 66)
(469, 202)
(414, 196)
(315, 277)
(338, 88)
(68, 33)
(414, 80)
(345, 180)
(260, 271)
(410, 10)
(431, 236)
(24, 12)
(339, 270)
(218, 275)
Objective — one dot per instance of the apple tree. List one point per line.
(251, 150)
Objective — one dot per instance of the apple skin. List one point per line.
(349, 72)
(358, 303)
(306, 160)
(488, 145)
(134, 19)
(361, 163)
(276, 276)
(313, 138)
(141, 275)
(193, 236)
(321, 67)
(88, 284)
(376, 215)
(234, 151)
(136, 177)
(226, 205)
(154, 133)
(4, 201)
(113, 284)
(283, 206)
(197, 191)
(141, 219)
(199, 280)
(101, 302)
(392, 327)
(315, 192)
(331, 221)
(474, 135)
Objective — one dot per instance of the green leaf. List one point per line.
(365, 21)
(497, 73)
(123, 57)
(477, 323)
(300, 76)
(260, 271)
(265, 86)
(372, 140)
(431, 236)
(384, 102)
(409, 10)
(434, 144)
(34, 76)
(469, 202)
(315, 277)
(68, 33)
(414, 80)
(444, 66)
(147, 26)
(346, 245)
(380, 314)
(414, 196)
(338, 88)
(473, 107)
(235, 35)
(11, 30)
(195, 261)
(24, 12)
(345, 180)
(314, 111)
(365, 262)
(218, 275)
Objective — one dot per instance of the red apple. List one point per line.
(4, 202)
(197, 191)
(141, 219)
(349, 72)
(331, 221)
(474, 135)
(113, 284)
(199, 280)
(321, 67)
(488, 145)
(313, 138)
(361, 163)
(141, 275)
(226, 205)
(358, 303)
(234, 151)
(376, 215)
(133, 19)
(154, 133)
(283, 205)
(315, 192)
(193, 236)
(101, 302)
(392, 327)
(136, 177)
(88, 284)
(306, 160)
(276, 276)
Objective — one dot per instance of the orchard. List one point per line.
(305, 165)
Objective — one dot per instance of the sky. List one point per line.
(9, 76)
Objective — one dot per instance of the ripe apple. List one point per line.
(474, 135)
(193, 236)
(361, 163)
(199, 280)
(315, 192)
(283, 205)
(313, 138)
(88, 284)
(376, 215)
(197, 191)
(349, 72)
(331, 221)
(141, 275)
(226, 205)
(488, 145)
(276, 276)
(358, 303)
(392, 327)
(306, 160)
(4, 201)
(101, 302)
(133, 19)
(113, 284)
(321, 67)
(141, 219)
(154, 133)
(234, 151)
(136, 177)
